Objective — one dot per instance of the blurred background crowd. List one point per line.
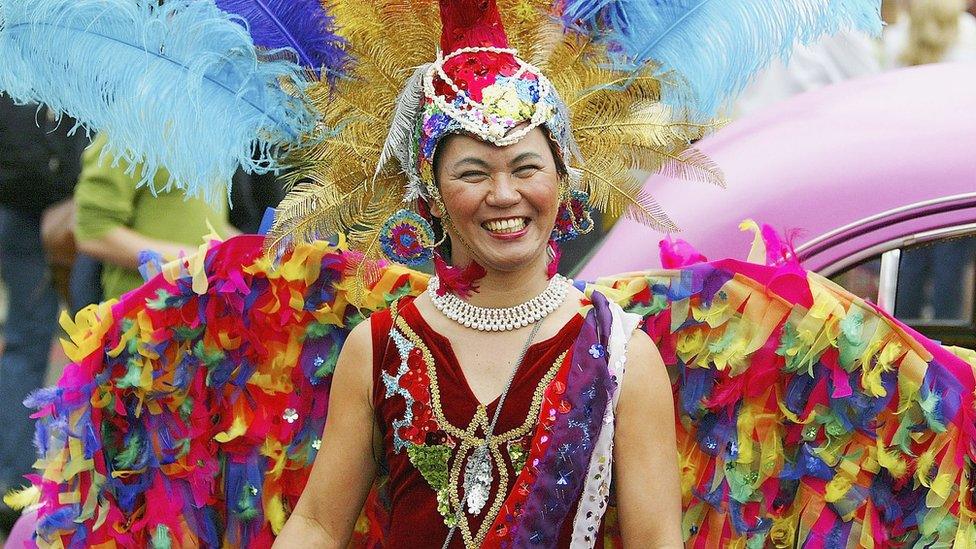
(75, 229)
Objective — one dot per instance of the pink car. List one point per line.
(877, 175)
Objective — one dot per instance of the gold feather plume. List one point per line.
(335, 189)
(618, 123)
(623, 130)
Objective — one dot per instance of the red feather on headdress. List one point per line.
(473, 24)
(468, 23)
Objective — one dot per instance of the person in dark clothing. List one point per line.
(39, 163)
(251, 195)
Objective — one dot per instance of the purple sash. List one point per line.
(562, 470)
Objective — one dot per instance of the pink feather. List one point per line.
(676, 254)
(461, 282)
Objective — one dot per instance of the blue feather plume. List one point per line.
(45, 396)
(303, 26)
(178, 85)
(62, 519)
(707, 51)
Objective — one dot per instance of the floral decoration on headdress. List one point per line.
(480, 86)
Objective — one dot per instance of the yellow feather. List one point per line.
(694, 165)
(277, 514)
(311, 212)
(22, 498)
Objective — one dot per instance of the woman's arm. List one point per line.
(344, 468)
(646, 475)
(121, 246)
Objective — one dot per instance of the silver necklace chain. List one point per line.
(480, 458)
(500, 319)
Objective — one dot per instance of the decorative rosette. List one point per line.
(406, 238)
(573, 218)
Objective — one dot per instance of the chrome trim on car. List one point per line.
(815, 242)
(888, 280)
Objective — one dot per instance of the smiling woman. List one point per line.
(236, 397)
(501, 414)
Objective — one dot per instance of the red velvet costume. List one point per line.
(414, 520)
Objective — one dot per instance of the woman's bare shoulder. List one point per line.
(646, 374)
(641, 347)
(356, 357)
(361, 336)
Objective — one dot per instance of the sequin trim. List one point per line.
(596, 488)
(393, 387)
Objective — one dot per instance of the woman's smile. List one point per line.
(508, 228)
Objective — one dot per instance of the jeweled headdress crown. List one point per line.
(477, 85)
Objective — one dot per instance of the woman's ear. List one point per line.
(431, 207)
(434, 203)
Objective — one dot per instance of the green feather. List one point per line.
(161, 538)
(851, 341)
(132, 375)
(127, 457)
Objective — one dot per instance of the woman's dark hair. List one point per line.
(435, 222)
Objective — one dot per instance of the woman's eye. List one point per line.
(527, 171)
(472, 176)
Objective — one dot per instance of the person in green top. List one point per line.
(116, 220)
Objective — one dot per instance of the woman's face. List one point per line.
(502, 201)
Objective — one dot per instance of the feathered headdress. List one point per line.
(607, 78)
(182, 85)
(483, 78)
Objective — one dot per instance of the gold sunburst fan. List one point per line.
(618, 123)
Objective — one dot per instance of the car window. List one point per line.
(936, 287)
(862, 279)
(936, 283)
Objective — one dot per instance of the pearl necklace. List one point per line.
(500, 319)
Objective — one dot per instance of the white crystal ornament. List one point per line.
(477, 480)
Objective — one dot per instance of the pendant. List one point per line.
(477, 480)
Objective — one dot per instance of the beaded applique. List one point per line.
(432, 462)
(393, 387)
(407, 238)
(517, 454)
(427, 448)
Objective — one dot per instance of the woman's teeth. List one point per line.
(503, 226)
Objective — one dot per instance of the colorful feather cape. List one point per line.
(192, 409)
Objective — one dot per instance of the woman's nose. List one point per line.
(503, 192)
